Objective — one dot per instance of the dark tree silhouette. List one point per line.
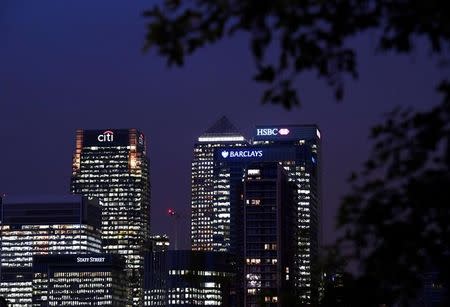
(396, 221)
(308, 35)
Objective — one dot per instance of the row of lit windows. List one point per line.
(198, 273)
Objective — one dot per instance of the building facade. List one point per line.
(260, 248)
(155, 272)
(305, 173)
(79, 280)
(112, 165)
(198, 278)
(185, 278)
(269, 231)
(43, 226)
(221, 134)
(297, 149)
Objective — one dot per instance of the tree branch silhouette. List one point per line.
(307, 35)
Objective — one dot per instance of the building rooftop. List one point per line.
(40, 199)
(222, 127)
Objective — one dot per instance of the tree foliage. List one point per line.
(396, 221)
(307, 35)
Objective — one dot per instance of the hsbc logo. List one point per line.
(272, 131)
(267, 131)
(107, 136)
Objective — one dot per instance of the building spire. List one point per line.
(221, 127)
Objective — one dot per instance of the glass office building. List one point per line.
(79, 280)
(297, 149)
(269, 232)
(113, 166)
(43, 226)
(155, 271)
(305, 173)
(195, 278)
(221, 134)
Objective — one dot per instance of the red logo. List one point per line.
(283, 131)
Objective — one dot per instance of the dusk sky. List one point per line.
(79, 64)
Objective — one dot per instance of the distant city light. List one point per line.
(171, 212)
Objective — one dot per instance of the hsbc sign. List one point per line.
(107, 136)
(272, 131)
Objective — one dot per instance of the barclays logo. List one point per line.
(242, 154)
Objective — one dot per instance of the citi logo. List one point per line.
(272, 131)
(107, 136)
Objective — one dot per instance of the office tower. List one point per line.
(188, 278)
(305, 173)
(334, 288)
(221, 134)
(113, 166)
(79, 280)
(198, 278)
(155, 271)
(269, 230)
(298, 153)
(43, 226)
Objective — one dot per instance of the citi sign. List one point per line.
(107, 136)
(242, 153)
(272, 131)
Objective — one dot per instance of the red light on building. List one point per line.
(171, 212)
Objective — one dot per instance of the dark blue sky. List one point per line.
(78, 64)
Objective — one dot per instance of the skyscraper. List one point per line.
(305, 174)
(221, 134)
(198, 278)
(296, 148)
(233, 167)
(269, 231)
(113, 166)
(155, 271)
(43, 226)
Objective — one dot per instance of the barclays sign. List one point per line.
(241, 154)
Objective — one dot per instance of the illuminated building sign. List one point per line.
(242, 153)
(286, 133)
(107, 136)
(258, 154)
(90, 259)
(272, 131)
